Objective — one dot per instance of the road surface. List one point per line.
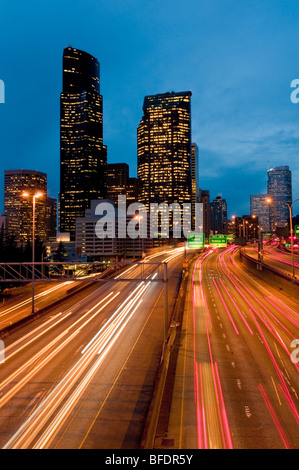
(236, 381)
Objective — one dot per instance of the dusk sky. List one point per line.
(238, 57)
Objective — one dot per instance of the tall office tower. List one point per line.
(194, 180)
(164, 149)
(280, 191)
(117, 177)
(261, 209)
(204, 198)
(219, 215)
(51, 217)
(19, 209)
(83, 156)
(132, 191)
(119, 183)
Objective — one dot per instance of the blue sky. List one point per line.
(237, 57)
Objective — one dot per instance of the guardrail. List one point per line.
(284, 281)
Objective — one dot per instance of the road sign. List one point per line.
(218, 240)
(297, 231)
(196, 240)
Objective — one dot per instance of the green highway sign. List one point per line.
(218, 240)
(196, 240)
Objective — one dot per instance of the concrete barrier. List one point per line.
(277, 278)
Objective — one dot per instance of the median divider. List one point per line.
(279, 278)
(158, 415)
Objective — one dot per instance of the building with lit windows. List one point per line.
(204, 199)
(164, 149)
(83, 156)
(219, 215)
(114, 246)
(119, 183)
(117, 179)
(279, 187)
(194, 180)
(51, 217)
(19, 209)
(261, 209)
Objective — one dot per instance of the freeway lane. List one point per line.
(276, 259)
(236, 385)
(17, 308)
(83, 376)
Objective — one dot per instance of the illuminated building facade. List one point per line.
(51, 217)
(83, 156)
(194, 179)
(119, 183)
(204, 198)
(132, 191)
(18, 209)
(164, 149)
(113, 246)
(117, 180)
(261, 209)
(280, 191)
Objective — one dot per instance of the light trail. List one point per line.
(47, 353)
(98, 347)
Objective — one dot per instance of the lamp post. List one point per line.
(34, 197)
(290, 206)
(139, 217)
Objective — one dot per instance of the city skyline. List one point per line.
(149, 241)
(242, 124)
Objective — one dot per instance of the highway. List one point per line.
(82, 375)
(275, 258)
(236, 381)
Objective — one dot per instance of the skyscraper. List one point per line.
(194, 179)
(280, 191)
(219, 215)
(204, 198)
(261, 209)
(83, 156)
(164, 149)
(51, 217)
(117, 180)
(18, 209)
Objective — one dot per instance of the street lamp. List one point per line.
(34, 197)
(291, 229)
(139, 217)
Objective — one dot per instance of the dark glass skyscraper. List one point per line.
(83, 156)
(280, 192)
(219, 215)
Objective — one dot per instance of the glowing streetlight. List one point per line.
(138, 217)
(34, 197)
